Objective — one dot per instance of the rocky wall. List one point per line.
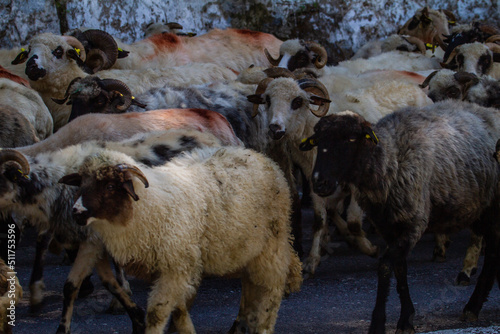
(341, 25)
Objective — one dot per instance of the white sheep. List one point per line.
(28, 103)
(53, 63)
(477, 58)
(213, 211)
(47, 204)
(229, 48)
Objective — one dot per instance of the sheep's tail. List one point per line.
(294, 278)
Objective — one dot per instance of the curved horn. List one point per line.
(452, 20)
(174, 25)
(134, 171)
(321, 51)
(450, 57)
(261, 89)
(120, 87)
(66, 95)
(428, 79)
(277, 72)
(315, 87)
(7, 154)
(101, 40)
(76, 44)
(492, 39)
(417, 42)
(274, 62)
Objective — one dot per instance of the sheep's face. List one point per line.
(286, 105)
(104, 194)
(444, 86)
(46, 54)
(474, 58)
(486, 94)
(343, 142)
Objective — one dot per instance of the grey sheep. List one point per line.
(416, 169)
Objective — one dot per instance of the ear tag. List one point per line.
(374, 139)
(22, 175)
(452, 22)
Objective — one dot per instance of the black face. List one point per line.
(342, 145)
(33, 71)
(299, 60)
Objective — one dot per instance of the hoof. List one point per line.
(309, 266)
(61, 330)
(469, 316)
(405, 331)
(462, 279)
(115, 307)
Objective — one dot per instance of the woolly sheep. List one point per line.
(447, 84)
(53, 63)
(47, 204)
(416, 169)
(229, 48)
(28, 103)
(204, 203)
(477, 58)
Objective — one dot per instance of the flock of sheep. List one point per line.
(177, 157)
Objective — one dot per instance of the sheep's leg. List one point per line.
(87, 287)
(320, 235)
(85, 261)
(166, 294)
(471, 259)
(355, 226)
(405, 323)
(121, 293)
(36, 282)
(377, 325)
(442, 244)
(116, 307)
(487, 277)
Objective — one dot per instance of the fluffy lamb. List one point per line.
(52, 63)
(47, 204)
(222, 211)
(416, 169)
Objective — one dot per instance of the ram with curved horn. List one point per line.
(295, 54)
(477, 58)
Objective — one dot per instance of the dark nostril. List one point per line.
(275, 127)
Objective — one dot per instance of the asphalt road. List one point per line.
(339, 299)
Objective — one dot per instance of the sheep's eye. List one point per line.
(58, 52)
(352, 139)
(453, 93)
(100, 101)
(110, 187)
(297, 103)
(268, 101)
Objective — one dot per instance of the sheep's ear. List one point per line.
(308, 144)
(466, 80)
(370, 134)
(129, 188)
(122, 53)
(256, 99)
(21, 57)
(74, 179)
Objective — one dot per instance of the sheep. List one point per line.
(232, 48)
(390, 43)
(169, 27)
(11, 293)
(53, 63)
(215, 214)
(16, 93)
(477, 58)
(295, 54)
(415, 169)
(448, 84)
(47, 205)
(119, 127)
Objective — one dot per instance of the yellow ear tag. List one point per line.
(23, 175)
(120, 49)
(78, 51)
(374, 138)
(23, 49)
(312, 142)
(452, 22)
(133, 97)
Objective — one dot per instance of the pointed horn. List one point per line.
(134, 171)
(77, 45)
(7, 154)
(451, 56)
(492, 39)
(274, 62)
(261, 89)
(66, 95)
(321, 52)
(428, 79)
(121, 88)
(315, 87)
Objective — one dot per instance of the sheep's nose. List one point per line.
(276, 132)
(323, 187)
(33, 71)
